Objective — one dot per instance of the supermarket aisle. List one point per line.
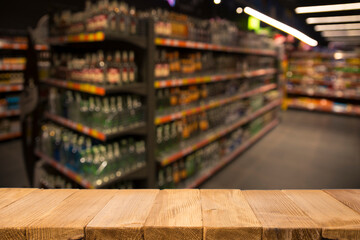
(12, 170)
(307, 150)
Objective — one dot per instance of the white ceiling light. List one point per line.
(328, 8)
(239, 10)
(217, 1)
(337, 27)
(345, 33)
(337, 19)
(281, 26)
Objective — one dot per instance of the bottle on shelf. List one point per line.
(125, 68)
(113, 70)
(132, 68)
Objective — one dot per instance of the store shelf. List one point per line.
(335, 94)
(211, 78)
(306, 54)
(214, 136)
(8, 136)
(313, 107)
(10, 113)
(100, 183)
(11, 67)
(137, 88)
(99, 36)
(212, 104)
(324, 83)
(207, 46)
(233, 155)
(11, 88)
(136, 129)
(22, 46)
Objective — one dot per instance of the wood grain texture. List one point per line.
(123, 217)
(176, 214)
(337, 220)
(17, 216)
(280, 217)
(68, 219)
(227, 215)
(349, 197)
(10, 195)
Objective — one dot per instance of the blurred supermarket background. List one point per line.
(260, 94)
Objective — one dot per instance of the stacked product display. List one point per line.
(172, 105)
(328, 82)
(12, 65)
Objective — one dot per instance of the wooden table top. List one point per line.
(179, 214)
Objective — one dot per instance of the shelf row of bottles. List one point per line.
(175, 64)
(182, 136)
(108, 115)
(216, 31)
(337, 84)
(10, 78)
(115, 17)
(326, 55)
(211, 103)
(50, 179)
(12, 63)
(214, 77)
(324, 91)
(118, 18)
(96, 162)
(323, 105)
(190, 167)
(115, 69)
(171, 100)
(19, 43)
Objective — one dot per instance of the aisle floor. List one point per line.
(307, 150)
(12, 170)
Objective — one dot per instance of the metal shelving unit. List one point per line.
(323, 82)
(147, 46)
(12, 88)
(143, 45)
(193, 183)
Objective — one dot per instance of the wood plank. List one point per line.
(10, 195)
(176, 214)
(15, 217)
(227, 215)
(349, 197)
(68, 220)
(123, 217)
(280, 217)
(337, 220)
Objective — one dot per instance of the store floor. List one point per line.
(12, 170)
(307, 150)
